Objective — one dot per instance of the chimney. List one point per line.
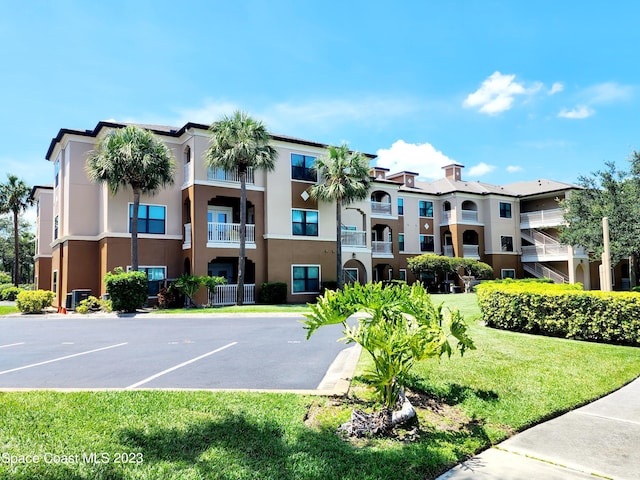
(453, 171)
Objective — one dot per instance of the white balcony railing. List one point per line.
(227, 294)
(219, 175)
(381, 247)
(542, 218)
(229, 233)
(471, 251)
(354, 238)
(446, 217)
(448, 250)
(186, 243)
(545, 252)
(380, 208)
(469, 216)
(187, 173)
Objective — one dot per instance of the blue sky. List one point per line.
(513, 90)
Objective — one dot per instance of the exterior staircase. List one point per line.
(540, 270)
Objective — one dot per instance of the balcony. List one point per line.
(227, 235)
(382, 249)
(545, 252)
(471, 251)
(542, 218)
(448, 251)
(469, 216)
(219, 175)
(380, 208)
(187, 173)
(354, 238)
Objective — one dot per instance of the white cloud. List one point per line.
(423, 159)
(581, 111)
(557, 87)
(481, 169)
(497, 93)
(608, 92)
(514, 168)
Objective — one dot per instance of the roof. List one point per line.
(168, 131)
(541, 186)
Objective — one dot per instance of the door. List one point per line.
(219, 219)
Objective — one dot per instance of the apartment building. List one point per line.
(193, 225)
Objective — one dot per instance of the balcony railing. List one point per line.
(219, 175)
(448, 250)
(227, 294)
(230, 233)
(384, 248)
(471, 251)
(545, 252)
(542, 218)
(354, 238)
(380, 208)
(446, 217)
(187, 173)
(469, 216)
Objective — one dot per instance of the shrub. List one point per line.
(5, 277)
(170, 297)
(34, 301)
(93, 304)
(10, 293)
(127, 291)
(273, 293)
(562, 311)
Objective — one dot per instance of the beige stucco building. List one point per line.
(192, 226)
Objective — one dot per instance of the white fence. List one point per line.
(230, 232)
(217, 174)
(227, 294)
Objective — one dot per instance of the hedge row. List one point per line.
(562, 311)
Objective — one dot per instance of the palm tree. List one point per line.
(132, 157)
(344, 178)
(237, 143)
(15, 199)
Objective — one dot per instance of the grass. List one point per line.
(510, 382)
(7, 309)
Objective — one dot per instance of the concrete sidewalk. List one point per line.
(599, 440)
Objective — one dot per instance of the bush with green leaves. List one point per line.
(273, 293)
(128, 291)
(5, 278)
(34, 301)
(402, 326)
(9, 292)
(561, 310)
(92, 304)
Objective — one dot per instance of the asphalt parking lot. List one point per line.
(148, 351)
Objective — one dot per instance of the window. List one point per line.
(426, 243)
(305, 222)
(155, 277)
(306, 278)
(54, 282)
(350, 275)
(56, 169)
(401, 242)
(508, 273)
(151, 218)
(506, 244)
(505, 210)
(55, 227)
(302, 167)
(402, 274)
(400, 206)
(426, 209)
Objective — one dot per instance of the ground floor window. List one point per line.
(54, 282)
(155, 278)
(402, 274)
(305, 278)
(508, 273)
(350, 275)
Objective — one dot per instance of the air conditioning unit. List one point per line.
(77, 296)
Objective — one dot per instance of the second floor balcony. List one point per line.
(542, 218)
(382, 249)
(354, 238)
(219, 175)
(380, 208)
(228, 234)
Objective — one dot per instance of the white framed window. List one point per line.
(507, 273)
(304, 222)
(302, 168)
(305, 278)
(350, 275)
(156, 274)
(402, 274)
(506, 243)
(54, 281)
(505, 210)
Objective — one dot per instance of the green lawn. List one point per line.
(7, 309)
(510, 382)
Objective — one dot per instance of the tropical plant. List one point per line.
(15, 198)
(132, 157)
(344, 178)
(238, 143)
(188, 285)
(402, 326)
(34, 301)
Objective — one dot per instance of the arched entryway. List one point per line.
(354, 272)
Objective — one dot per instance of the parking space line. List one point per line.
(168, 370)
(62, 358)
(12, 345)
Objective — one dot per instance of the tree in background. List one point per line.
(344, 178)
(238, 143)
(15, 199)
(132, 157)
(611, 193)
(26, 249)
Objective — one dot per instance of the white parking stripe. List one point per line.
(168, 370)
(62, 358)
(12, 345)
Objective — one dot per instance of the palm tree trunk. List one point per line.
(16, 250)
(134, 230)
(243, 234)
(339, 274)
